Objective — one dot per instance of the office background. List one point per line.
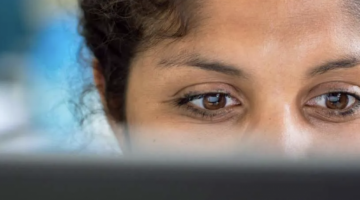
(43, 70)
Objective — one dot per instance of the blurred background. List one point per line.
(43, 70)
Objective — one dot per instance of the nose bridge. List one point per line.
(279, 127)
(272, 120)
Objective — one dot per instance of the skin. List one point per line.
(273, 58)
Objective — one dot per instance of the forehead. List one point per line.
(272, 15)
(256, 27)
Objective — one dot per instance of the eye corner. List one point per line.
(213, 106)
(343, 107)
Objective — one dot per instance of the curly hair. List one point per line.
(115, 30)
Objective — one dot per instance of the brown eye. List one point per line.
(337, 101)
(214, 101)
(334, 101)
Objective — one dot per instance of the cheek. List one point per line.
(340, 139)
(154, 132)
(167, 140)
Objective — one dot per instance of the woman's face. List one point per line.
(278, 76)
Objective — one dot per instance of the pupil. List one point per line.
(214, 101)
(337, 101)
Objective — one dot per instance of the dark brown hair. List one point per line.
(115, 30)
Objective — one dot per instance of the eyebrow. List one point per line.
(345, 63)
(196, 61)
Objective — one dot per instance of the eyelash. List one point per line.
(184, 101)
(339, 115)
(353, 109)
(187, 98)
